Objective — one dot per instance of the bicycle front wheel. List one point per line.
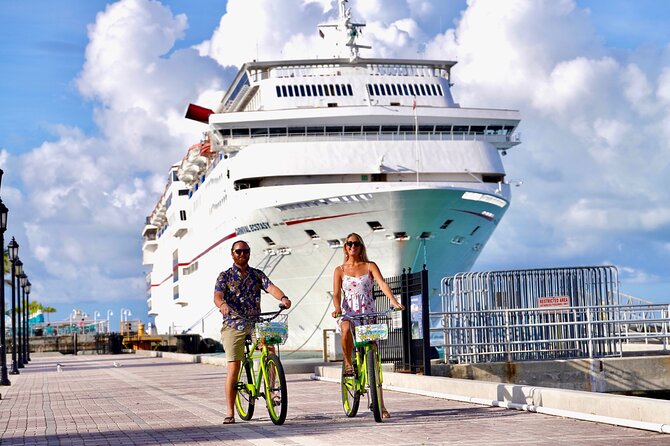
(244, 401)
(374, 381)
(276, 395)
(350, 395)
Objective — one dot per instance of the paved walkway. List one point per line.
(157, 401)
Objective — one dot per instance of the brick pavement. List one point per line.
(156, 401)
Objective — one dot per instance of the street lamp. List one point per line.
(16, 315)
(4, 377)
(13, 251)
(23, 281)
(109, 313)
(96, 313)
(27, 291)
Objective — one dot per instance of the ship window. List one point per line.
(404, 89)
(395, 92)
(278, 88)
(296, 130)
(225, 132)
(332, 90)
(424, 235)
(338, 90)
(446, 224)
(509, 129)
(426, 128)
(439, 88)
(182, 215)
(240, 132)
(302, 90)
(406, 129)
(352, 129)
(326, 91)
(375, 226)
(389, 129)
(259, 132)
(290, 90)
(477, 129)
(443, 129)
(349, 90)
(269, 241)
(423, 90)
(492, 178)
(411, 89)
(460, 129)
(283, 90)
(315, 130)
(370, 129)
(334, 243)
(182, 192)
(277, 131)
(376, 87)
(313, 235)
(370, 92)
(378, 177)
(314, 90)
(493, 130)
(332, 104)
(475, 230)
(333, 129)
(434, 90)
(320, 88)
(400, 236)
(308, 90)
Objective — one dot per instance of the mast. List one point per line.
(348, 30)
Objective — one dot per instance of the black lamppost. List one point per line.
(27, 291)
(4, 377)
(13, 250)
(23, 280)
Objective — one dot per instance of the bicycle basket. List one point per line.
(273, 332)
(372, 332)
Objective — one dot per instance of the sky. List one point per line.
(93, 96)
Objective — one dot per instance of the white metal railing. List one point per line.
(551, 333)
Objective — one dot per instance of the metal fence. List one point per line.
(538, 314)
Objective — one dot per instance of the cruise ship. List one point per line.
(300, 153)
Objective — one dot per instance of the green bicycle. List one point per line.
(367, 378)
(266, 379)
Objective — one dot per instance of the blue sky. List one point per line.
(78, 189)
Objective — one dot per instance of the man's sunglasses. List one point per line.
(354, 244)
(242, 251)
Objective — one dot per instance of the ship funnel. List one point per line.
(198, 113)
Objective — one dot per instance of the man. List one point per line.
(238, 291)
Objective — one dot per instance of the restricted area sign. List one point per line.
(553, 301)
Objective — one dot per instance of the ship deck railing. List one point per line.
(499, 140)
(548, 333)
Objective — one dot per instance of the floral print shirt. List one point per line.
(242, 294)
(357, 294)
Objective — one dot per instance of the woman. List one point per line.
(355, 278)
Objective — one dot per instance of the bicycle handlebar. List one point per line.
(260, 317)
(368, 315)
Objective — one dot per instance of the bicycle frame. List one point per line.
(267, 379)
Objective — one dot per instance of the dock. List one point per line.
(142, 399)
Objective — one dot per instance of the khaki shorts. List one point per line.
(233, 342)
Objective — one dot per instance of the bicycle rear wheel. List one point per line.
(276, 395)
(244, 401)
(375, 384)
(351, 398)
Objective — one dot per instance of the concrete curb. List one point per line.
(636, 412)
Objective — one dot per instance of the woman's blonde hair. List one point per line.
(363, 253)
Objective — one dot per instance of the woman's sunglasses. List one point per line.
(242, 251)
(354, 244)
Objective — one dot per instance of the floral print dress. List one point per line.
(357, 294)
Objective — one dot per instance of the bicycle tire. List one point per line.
(375, 384)
(351, 397)
(276, 395)
(244, 400)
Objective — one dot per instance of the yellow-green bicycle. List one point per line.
(266, 379)
(367, 378)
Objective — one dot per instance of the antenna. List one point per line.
(348, 30)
